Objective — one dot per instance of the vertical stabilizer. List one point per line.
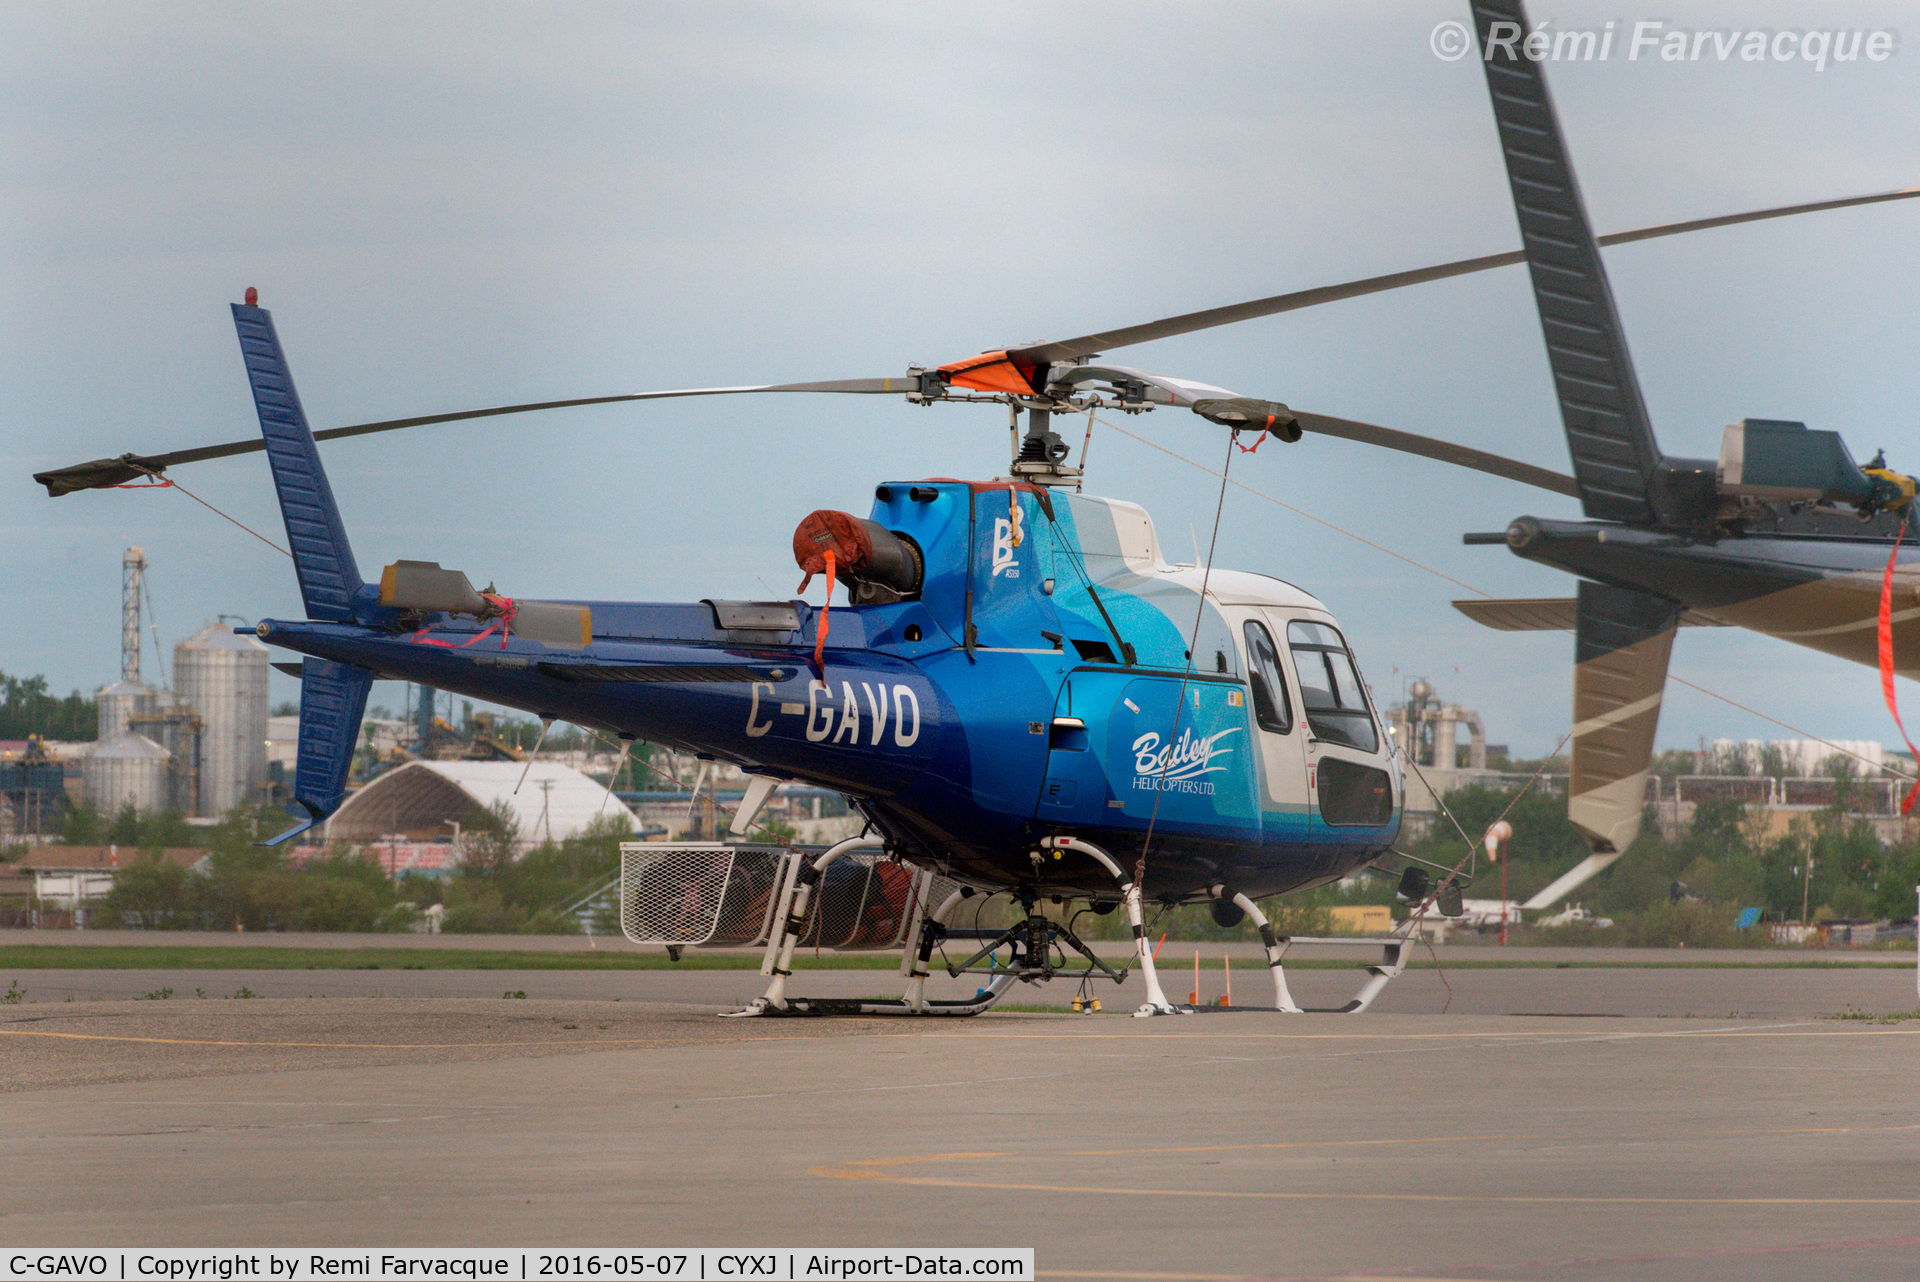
(1615, 459)
(333, 698)
(1623, 641)
(318, 540)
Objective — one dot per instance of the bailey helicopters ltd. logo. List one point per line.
(1180, 766)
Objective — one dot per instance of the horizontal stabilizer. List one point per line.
(561, 627)
(1776, 459)
(1548, 614)
(423, 585)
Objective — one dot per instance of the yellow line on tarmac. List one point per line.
(869, 1169)
(1150, 1277)
(388, 1046)
(1584, 1033)
(1231, 1277)
(1420, 1139)
(831, 1173)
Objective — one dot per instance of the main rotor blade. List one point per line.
(102, 473)
(1444, 451)
(1087, 345)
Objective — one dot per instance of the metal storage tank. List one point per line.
(127, 768)
(176, 726)
(223, 676)
(120, 703)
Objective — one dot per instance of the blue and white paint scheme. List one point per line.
(1051, 677)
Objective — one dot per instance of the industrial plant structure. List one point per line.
(1428, 732)
(200, 748)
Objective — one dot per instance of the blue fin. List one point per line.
(321, 557)
(333, 697)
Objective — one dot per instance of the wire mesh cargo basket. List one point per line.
(723, 895)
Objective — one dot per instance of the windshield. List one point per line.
(1330, 686)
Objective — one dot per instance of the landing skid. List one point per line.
(799, 1007)
(1032, 943)
(1394, 953)
(1393, 960)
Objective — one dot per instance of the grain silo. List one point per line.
(127, 769)
(223, 676)
(121, 703)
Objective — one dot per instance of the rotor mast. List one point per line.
(1041, 456)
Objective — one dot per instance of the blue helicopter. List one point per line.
(1019, 692)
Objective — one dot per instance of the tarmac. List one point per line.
(1657, 1116)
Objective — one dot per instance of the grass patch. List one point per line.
(1869, 1017)
(29, 957)
(246, 957)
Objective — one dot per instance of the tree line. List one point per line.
(27, 708)
(242, 886)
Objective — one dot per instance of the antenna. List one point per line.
(546, 802)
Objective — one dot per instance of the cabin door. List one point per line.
(1285, 797)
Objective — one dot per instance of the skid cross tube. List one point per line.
(790, 922)
(1038, 933)
(1156, 1003)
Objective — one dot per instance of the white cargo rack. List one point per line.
(724, 894)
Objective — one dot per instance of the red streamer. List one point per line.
(1886, 659)
(820, 636)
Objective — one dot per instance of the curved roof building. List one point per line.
(421, 801)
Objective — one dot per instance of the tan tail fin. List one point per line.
(1623, 640)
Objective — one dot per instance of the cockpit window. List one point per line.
(1330, 686)
(1271, 707)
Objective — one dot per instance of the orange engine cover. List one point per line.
(863, 552)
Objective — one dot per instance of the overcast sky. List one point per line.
(452, 206)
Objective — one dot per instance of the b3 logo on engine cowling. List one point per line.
(1006, 537)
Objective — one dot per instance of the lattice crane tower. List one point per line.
(133, 567)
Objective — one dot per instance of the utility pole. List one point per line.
(1496, 840)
